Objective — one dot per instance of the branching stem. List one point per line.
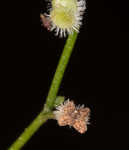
(46, 113)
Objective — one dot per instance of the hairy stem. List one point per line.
(46, 113)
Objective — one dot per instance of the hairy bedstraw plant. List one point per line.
(64, 18)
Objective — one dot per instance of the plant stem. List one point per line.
(64, 59)
(46, 113)
(30, 130)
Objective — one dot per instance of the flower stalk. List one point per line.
(64, 59)
(47, 113)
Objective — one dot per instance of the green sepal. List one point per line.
(59, 100)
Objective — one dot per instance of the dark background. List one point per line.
(97, 76)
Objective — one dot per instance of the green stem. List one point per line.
(46, 113)
(64, 59)
(30, 130)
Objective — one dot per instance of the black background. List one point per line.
(97, 76)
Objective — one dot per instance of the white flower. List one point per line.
(66, 16)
